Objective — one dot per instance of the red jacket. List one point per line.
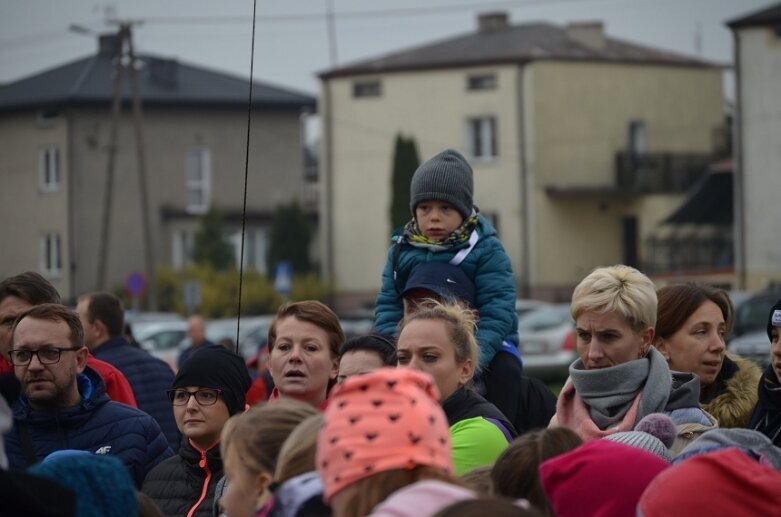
(117, 387)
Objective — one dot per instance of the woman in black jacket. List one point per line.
(209, 388)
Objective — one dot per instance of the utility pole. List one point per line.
(126, 57)
(138, 123)
(108, 194)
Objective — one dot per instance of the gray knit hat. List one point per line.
(445, 177)
(642, 440)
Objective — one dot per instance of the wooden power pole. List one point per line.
(125, 49)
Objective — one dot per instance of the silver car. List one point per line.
(547, 342)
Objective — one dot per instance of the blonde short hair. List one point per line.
(297, 455)
(619, 288)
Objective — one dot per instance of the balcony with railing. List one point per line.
(659, 173)
(688, 253)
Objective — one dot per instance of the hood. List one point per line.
(422, 498)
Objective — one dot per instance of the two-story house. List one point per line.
(54, 141)
(581, 145)
(757, 39)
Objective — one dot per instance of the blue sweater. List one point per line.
(96, 424)
(487, 264)
(149, 378)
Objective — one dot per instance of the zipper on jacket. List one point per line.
(205, 466)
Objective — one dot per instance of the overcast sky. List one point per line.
(291, 42)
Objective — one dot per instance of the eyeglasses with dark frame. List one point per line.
(203, 396)
(49, 355)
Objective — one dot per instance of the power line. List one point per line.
(364, 14)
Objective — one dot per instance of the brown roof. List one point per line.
(514, 44)
(767, 16)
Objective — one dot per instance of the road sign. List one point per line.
(192, 295)
(283, 278)
(135, 284)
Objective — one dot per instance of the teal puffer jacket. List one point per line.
(487, 264)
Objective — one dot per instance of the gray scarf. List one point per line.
(610, 392)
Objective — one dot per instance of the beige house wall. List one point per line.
(82, 137)
(582, 114)
(760, 127)
(432, 107)
(27, 212)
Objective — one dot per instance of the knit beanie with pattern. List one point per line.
(219, 368)
(385, 420)
(445, 177)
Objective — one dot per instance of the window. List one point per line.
(198, 181)
(51, 255)
(481, 82)
(182, 249)
(367, 88)
(255, 249)
(49, 169)
(482, 138)
(637, 139)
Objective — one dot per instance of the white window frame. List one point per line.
(50, 257)
(482, 137)
(198, 179)
(49, 169)
(182, 248)
(256, 242)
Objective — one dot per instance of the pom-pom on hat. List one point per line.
(384, 420)
(445, 177)
(219, 368)
(659, 425)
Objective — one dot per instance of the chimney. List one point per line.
(108, 44)
(489, 22)
(588, 34)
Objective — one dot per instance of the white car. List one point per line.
(162, 339)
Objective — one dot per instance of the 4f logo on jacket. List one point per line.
(103, 450)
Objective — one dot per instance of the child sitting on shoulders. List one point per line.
(447, 228)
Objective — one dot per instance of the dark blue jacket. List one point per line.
(487, 264)
(96, 424)
(149, 377)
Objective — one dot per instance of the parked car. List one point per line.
(253, 332)
(526, 305)
(547, 342)
(751, 313)
(162, 339)
(752, 345)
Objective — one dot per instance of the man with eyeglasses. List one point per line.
(103, 317)
(20, 292)
(63, 404)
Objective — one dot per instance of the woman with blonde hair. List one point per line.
(250, 445)
(440, 340)
(620, 377)
(297, 488)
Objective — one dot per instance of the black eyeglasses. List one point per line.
(44, 355)
(203, 396)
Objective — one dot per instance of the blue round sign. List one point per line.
(135, 284)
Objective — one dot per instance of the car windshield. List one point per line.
(546, 318)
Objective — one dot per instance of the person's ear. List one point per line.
(262, 482)
(663, 346)
(646, 340)
(100, 328)
(81, 358)
(334, 368)
(467, 371)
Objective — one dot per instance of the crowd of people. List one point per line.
(430, 415)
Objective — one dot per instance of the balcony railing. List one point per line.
(657, 173)
(689, 254)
